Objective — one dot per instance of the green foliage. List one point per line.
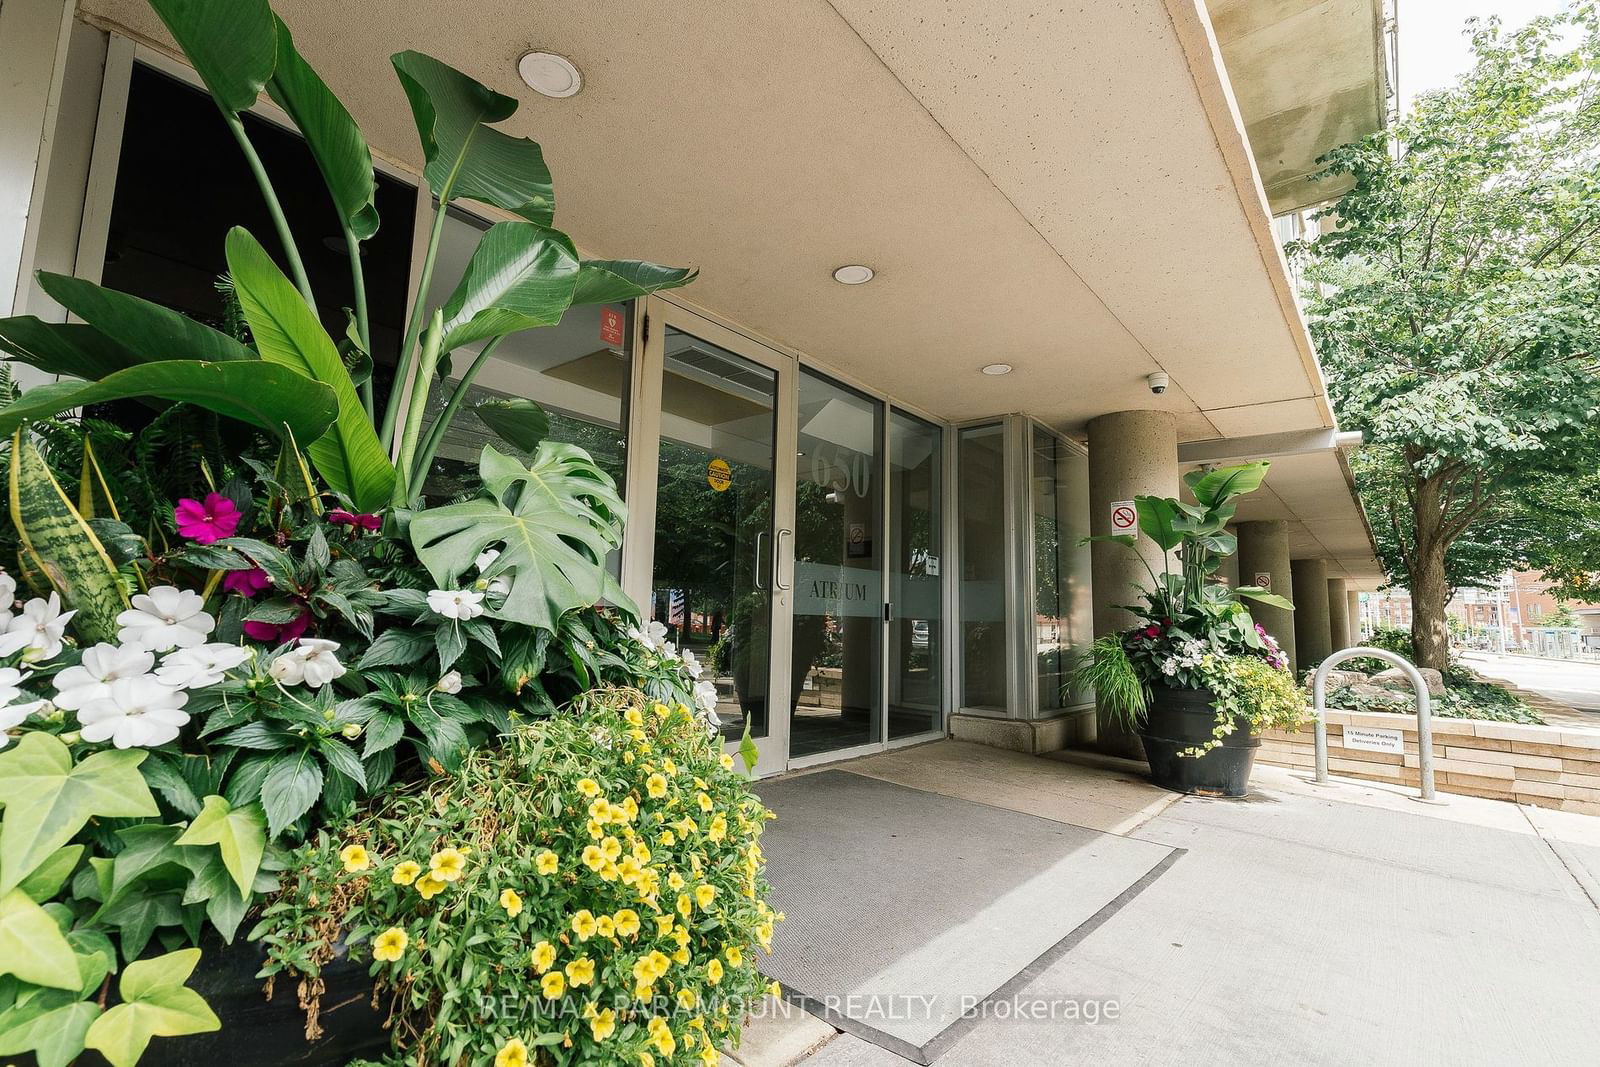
(1250, 694)
(1464, 698)
(155, 1003)
(1104, 666)
(554, 520)
(521, 276)
(596, 884)
(1456, 315)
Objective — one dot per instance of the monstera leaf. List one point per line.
(553, 520)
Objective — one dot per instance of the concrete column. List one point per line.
(1312, 635)
(1353, 611)
(1264, 560)
(1338, 615)
(1131, 453)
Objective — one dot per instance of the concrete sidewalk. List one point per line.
(1317, 925)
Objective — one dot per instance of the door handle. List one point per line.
(759, 535)
(777, 562)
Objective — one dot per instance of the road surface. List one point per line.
(1572, 683)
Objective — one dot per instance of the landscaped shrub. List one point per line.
(589, 892)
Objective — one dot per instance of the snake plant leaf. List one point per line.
(1216, 487)
(608, 281)
(59, 544)
(72, 348)
(465, 156)
(48, 799)
(232, 46)
(554, 520)
(348, 456)
(260, 393)
(155, 1003)
(148, 329)
(332, 135)
(521, 275)
(519, 422)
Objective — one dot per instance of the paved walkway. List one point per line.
(1307, 925)
(1571, 682)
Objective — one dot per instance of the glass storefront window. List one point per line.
(1062, 607)
(838, 570)
(916, 559)
(980, 468)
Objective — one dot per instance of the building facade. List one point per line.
(861, 453)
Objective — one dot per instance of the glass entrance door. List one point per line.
(719, 580)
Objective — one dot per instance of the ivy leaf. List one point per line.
(32, 946)
(155, 1003)
(48, 878)
(47, 799)
(239, 834)
(290, 788)
(50, 1026)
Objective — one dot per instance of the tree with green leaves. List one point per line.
(1456, 307)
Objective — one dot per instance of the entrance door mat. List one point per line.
(906, 909)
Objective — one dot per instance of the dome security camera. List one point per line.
(1158, 382)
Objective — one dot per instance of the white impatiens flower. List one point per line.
(318, 662)
(651, 637)
(8, 594)
(705, 698)
(496, 587)
(691, 665)
(486, 557)
(12, 710)
(164, 619)
(102, 664)
(287, 669)
(37, 629)
(137, 713)
(203, 665)
(456, 604)
(450, 684)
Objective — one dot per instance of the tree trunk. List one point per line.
(1429, 594)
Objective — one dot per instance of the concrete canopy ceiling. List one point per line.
(1064, 188)
(1309, 75)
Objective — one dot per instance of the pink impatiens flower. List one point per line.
(246, 583)
(277, 633)
(203, 523)
(364, 521)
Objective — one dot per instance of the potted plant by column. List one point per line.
(1196, 676)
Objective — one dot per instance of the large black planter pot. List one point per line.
(1181, 719)
(257, 1032)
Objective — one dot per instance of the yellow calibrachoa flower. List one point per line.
(610, 871)
(667, 839)
(605, 926)
(718, 828)
(709, 1056)
(714, 971)
(669, 766)
(704, 800)
(704, 895)
(512, 1054)
(646, 1060)
(430, 887)
(775, 989)
(681, 936)
(593, 858)
(583, 925)
(544, 956)
(611, 848)
(681, 956)
(661, 1036)
(405, 872)
(588, 787)
(632, 717)
(603, 1025)
(685, 905)
(355, 858)
(664, 925)
(764, 935)
(726, 761)
(687, 999)
(641, 852)
(547, 862)
(626, 922)
(630, 808)
(390, 945)
(735, 955)
(629, 870)
(674, 881)
(553, 984)
(580, 971)
(447, 864)
(595, 830)
(600, 810)
(686, 827)
(661, 710)
(511, 902)
(656, 785)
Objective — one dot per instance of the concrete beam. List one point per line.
(1265, 446)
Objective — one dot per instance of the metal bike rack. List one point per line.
(1319, 696)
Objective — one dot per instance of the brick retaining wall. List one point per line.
(1549, 766)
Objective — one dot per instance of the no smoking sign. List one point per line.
(1124, 517)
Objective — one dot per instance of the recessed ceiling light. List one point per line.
(852, 274)
(994, 370)
(549, 74)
